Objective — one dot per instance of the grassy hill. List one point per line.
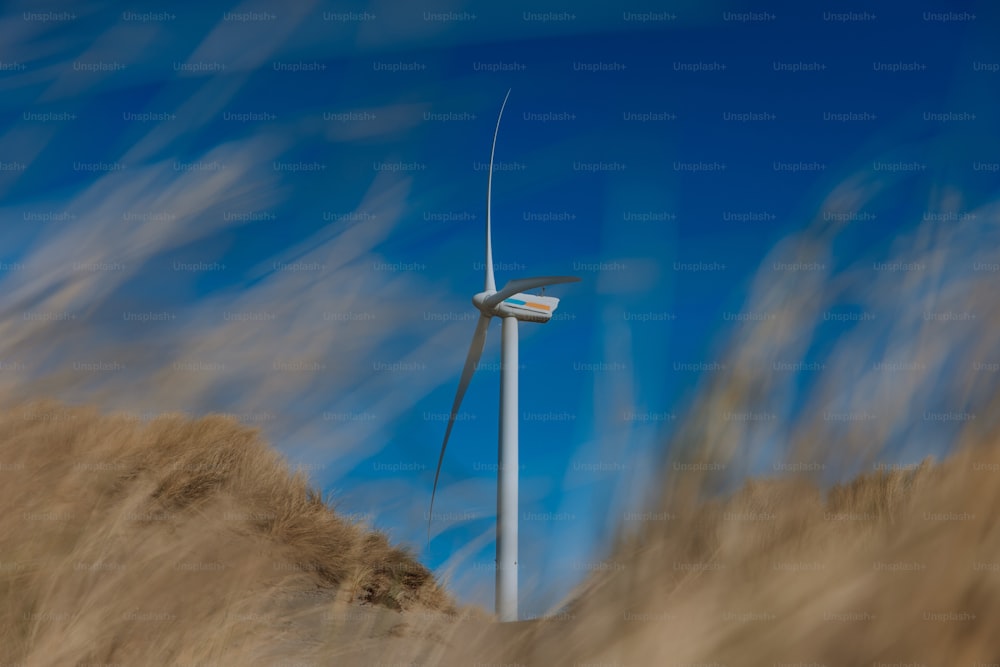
(189, 542)
(173, 541)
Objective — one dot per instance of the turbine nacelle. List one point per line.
(525, 307)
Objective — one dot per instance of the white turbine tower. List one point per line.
(512, 304)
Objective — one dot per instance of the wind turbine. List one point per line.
(511, 304)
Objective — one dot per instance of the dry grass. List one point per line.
(171, 541)
(894, 567)
(189, 542)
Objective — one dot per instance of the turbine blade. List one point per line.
(521, 284)
(491, 285)
(475, 352)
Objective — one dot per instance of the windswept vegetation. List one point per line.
(172, 540)
(184, 541)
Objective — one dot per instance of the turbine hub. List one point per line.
(479, 301)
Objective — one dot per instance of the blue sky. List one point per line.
(328, 304)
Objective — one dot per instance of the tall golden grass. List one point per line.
(172, 542)
(189, 542)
